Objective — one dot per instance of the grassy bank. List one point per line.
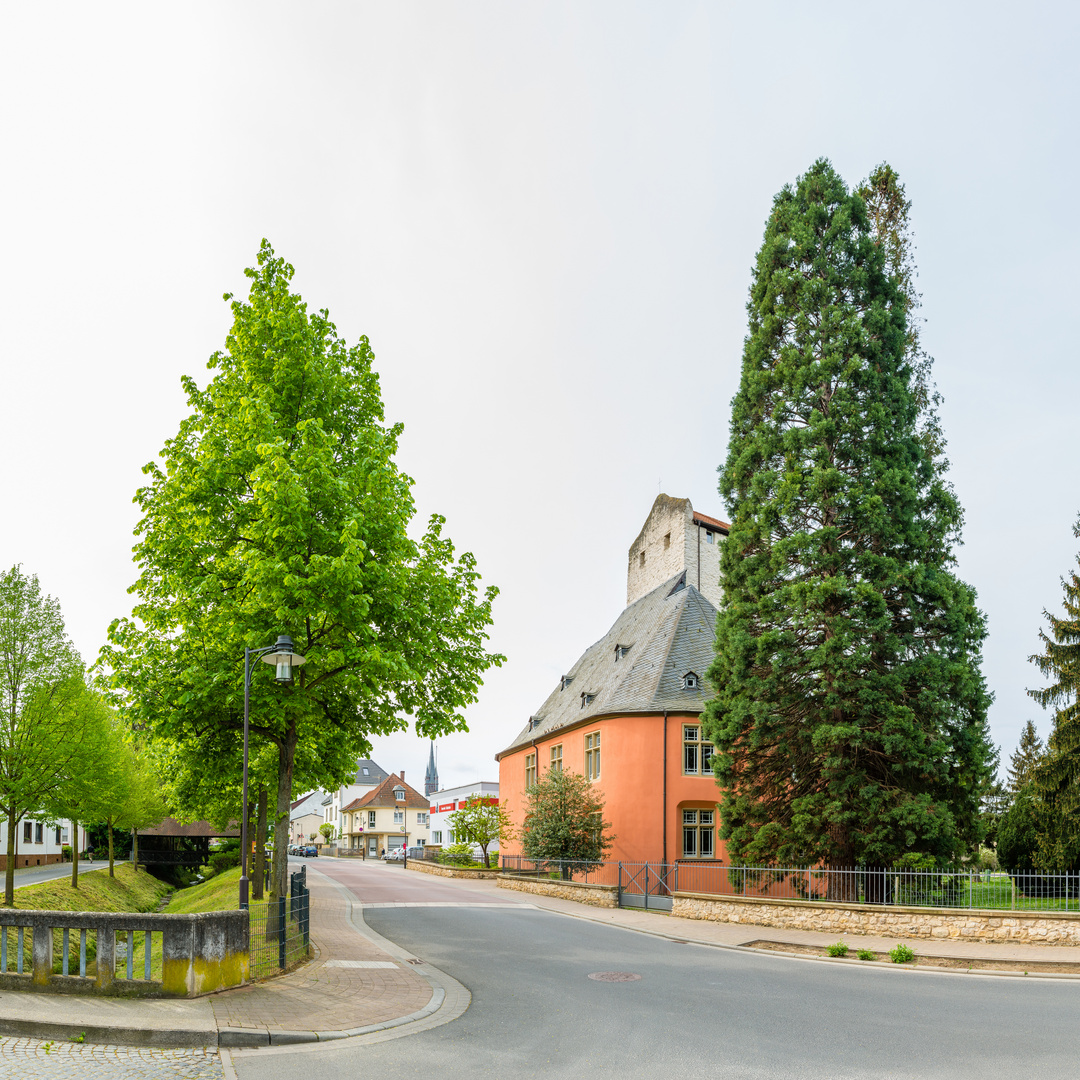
(127, 891)
(220, 893)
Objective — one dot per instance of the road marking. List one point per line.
(448, 903)
(360, 963)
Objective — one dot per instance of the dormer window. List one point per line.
(587, 699)
(366, 771)
(565, 681)
(620, 652)
(534, 722)
(399, 794)
(690, 681)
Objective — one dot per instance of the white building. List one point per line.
(445, 802)
(368, 777)
(37, 842)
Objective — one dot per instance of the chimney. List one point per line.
(402, 774)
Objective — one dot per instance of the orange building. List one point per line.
(627, 714)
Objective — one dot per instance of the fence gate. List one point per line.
(646, 885)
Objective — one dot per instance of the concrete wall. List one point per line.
(606, 896)
(1016, 927)
(201, 953)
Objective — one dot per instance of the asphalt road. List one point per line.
(694, 1012)
(32, 875)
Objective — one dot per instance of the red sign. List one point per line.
(446, 806)
(434, 809)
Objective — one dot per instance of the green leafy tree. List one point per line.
(48, 709)
(278, 508)
(1057, 774)
(327, 831)
(850, 718)
(481, 822)
(1025, 759)
(564, 822)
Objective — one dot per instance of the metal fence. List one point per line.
(280, 930)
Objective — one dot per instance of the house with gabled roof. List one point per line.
(391, 816)
(627, 713)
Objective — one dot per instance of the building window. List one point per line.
(28, 832)
(399, 817)
(708, 537)
(587, 699)
(697, 752)
(690, 681)
(592, 756)
(565, 681)
(530, 770)
(697, 834)
(641, 559)
(421, 819)
(450, 837)
(399, 794)
(620, 652)
(436, 836)
(366, 771)
(371, 819)
(63, 836)
(667, 541)
(556, 758)
(39, 833)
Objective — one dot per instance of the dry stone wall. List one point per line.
(605, 896)
(1015, 927)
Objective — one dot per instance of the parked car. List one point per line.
(396, 854)
(416, 853)
(311, 851)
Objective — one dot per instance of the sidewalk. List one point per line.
(356, 983)
(359, 983)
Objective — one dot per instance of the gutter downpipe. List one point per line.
(663, 815)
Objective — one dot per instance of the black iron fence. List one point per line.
(280, 933)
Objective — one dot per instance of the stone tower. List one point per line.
(675, 538)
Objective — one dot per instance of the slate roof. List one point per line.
(383, 795)
(376, 774)
(670, 632)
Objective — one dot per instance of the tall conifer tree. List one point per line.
(850, 720)
(1057, 777)
(1027, 755)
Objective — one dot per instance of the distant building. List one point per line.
(37, 842)
(627, 714)
(305, 817)
(444, 803)
(391, 816)
(368, 776)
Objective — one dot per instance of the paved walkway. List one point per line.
(359, 985)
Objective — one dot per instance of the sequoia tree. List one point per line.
(1057, 776)
(278, 508)
(850, 716)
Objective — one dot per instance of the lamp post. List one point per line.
(280, 654)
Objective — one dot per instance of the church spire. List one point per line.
(431, 777)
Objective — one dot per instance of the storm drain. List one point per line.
(614, 976)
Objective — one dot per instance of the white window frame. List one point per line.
(697, 752)
(699, 834)
(592, 755)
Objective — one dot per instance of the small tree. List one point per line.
(327, 831)
(564, 823)
(1025, 758)
(1057, 775)
(482, 821)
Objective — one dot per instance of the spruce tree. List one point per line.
(1057, 776)
(850, 718)
(1027, 755)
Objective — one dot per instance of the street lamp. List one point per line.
(281, 655)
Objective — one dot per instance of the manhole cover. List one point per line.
(614, 976)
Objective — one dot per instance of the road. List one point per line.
(33, 875)
(694, 1011)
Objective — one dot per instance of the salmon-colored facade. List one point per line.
(630, 708)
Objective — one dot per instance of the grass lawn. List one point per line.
(220, 893)
(127, 891)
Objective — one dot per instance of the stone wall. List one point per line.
(1018, 927)
(452, 871)
(597, 895)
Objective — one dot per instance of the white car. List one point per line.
(397, 854)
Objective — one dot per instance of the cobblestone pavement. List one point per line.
(35, 1059)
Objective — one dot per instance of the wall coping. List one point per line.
(560, 881)
(443, 870)
(836, 905)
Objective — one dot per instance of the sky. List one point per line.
(544, 217)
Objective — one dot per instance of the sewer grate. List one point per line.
(414, 960)
(614, 976)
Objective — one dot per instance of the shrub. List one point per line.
(901, 955)
(839, 949)
(866, 954)
(457, 855)
(224, 859)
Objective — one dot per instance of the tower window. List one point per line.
(667, 541)
(641, 559)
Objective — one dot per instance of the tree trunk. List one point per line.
(135, 850)
(280, 866)
(260, 847)
(9, 873)
(109, 825)
(74, 854)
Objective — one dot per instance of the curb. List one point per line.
(164, 1038)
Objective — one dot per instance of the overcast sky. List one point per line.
(544, 216)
